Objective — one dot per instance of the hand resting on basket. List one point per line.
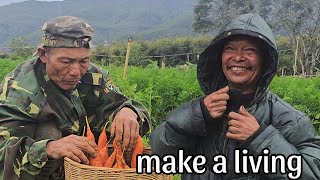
(72, 146)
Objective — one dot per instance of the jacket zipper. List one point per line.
(225, 142)
(226, 128)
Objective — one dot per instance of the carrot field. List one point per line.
(161, 90)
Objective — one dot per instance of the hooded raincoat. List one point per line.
(284, 130)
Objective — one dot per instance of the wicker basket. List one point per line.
(74, 170)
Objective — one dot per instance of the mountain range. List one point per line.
(112, 20)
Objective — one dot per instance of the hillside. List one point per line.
(6, 2)
(111, 19)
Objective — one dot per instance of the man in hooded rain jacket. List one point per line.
(239, 112)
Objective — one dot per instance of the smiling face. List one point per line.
(66, 66)
(242, 63)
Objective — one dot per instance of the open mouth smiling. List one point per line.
(239, 68)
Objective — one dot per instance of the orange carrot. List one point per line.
(112, 157)
(110, 160)
(125, 166)
(92, 161)
(103, 154)
(118, 157)
(117, 165)
(138, 149)
(120, 162)
(123, 162)
(90, 135)
(95, 162)
(103, 139)
(103, 145)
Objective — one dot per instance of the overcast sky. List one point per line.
(6, 2)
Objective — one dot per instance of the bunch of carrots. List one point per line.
(116, 159)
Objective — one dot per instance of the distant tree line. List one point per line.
(169, 52)
(18, 48)
(165, 52)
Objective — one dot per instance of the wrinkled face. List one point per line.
(66, 66)
(241, 63)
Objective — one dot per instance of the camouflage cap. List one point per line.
(66, 31)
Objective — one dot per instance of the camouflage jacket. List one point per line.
(33, 110)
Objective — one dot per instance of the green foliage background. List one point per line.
(171, 51)
(175, 52)
(161, 90)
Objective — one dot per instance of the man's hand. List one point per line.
(125, 125)
(242, 125)
(72, 146)
(216, 102)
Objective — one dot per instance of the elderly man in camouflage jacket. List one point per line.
(43, 104)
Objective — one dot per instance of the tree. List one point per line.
(211, 15)
(19, 47)
(264, 9)
(202, 19)
(299, 20)
(286, 55)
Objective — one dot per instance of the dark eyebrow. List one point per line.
(68, 58)
(72, 59)
(88, 57)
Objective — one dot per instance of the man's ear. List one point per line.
(42, 54)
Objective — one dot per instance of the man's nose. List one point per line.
(74, 69)
(238, 56)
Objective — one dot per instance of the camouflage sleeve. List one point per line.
(111, 95)
(19, 153)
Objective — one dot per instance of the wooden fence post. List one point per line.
(127, 59)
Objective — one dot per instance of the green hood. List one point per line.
(209, 70)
